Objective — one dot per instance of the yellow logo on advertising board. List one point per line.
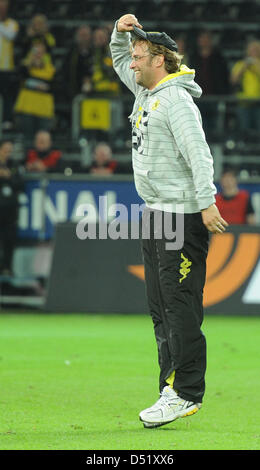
(95, 114)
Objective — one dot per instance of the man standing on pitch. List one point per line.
(173, 171)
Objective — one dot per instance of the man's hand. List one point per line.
(37, 165)
(5, 173)
(126, 22)
(100, 171)
(213, 220)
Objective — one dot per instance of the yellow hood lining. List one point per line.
(184, 70)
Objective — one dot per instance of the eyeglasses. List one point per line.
(136, 58)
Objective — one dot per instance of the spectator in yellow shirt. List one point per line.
(8, 31)
(35, 100)
(245, 77)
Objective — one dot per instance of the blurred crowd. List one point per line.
(29, 85)
(217, 77)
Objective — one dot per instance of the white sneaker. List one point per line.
(168, 408)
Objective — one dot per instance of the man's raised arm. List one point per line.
(120, 50)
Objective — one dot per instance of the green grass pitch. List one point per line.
(79, 381)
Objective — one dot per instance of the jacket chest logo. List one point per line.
(155, 104)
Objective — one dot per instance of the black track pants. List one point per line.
(174, 284)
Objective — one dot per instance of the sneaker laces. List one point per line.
(168, 398)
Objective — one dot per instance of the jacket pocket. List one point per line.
(143, 185)
(169, 192)
(165, 190)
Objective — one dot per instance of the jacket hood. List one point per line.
(184, 78)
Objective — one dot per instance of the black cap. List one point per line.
(157, 38)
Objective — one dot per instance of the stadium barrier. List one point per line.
(107, 275)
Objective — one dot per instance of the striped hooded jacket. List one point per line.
(172, 162)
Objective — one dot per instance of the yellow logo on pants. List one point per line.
(185, 267)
